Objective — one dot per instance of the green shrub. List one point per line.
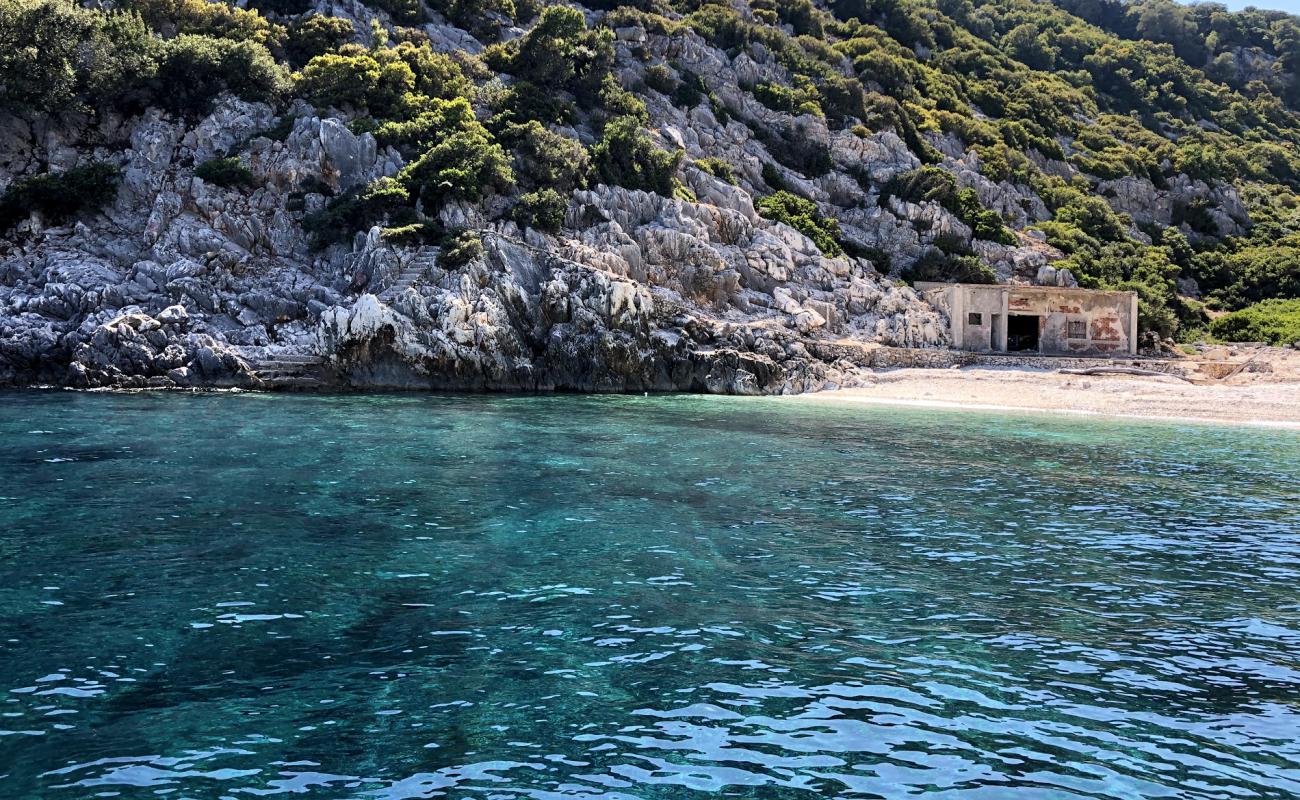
(1251, 272)
(356, 210)
(317, 35)
(460, 248)
(718, 168)
(286, 8)
(933, 184)
(1273, 321)
(801, 15)
(479, 17)
(690, 91)
(406, 12)
(545, 159)
(772, 176)
(436, 74)
(721, 26)
(59, 196)
(802, 215)
(626, 157)
(413, 234)
(543, 209)
(356, 81)
(660, 78)
(55, 55)
(194, 69)
(561, 52)
(523, 102)
(936, 265)
(788, 100)
(442, 118)
(466, 165)
(619, 102)
(204, 18)
(984, 223)
(227, 172)
(842, 100)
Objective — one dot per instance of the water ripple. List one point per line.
(616, 598)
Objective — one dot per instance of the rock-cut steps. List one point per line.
(301, 371)
(410, 274)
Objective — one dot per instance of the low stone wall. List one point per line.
(900, 358)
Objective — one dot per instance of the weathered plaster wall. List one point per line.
(1105, 323)
(1106, 319)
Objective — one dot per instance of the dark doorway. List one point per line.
(1022, 332)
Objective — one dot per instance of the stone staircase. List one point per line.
(416, 269)
(290, 371)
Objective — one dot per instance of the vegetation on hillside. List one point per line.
(1149, 89)
(1272, 321)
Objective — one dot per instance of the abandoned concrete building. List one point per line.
(1037, 319)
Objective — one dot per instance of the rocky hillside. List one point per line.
(490, 195)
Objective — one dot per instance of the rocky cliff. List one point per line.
(183, 283)
(748, 238)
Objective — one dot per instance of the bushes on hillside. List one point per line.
(317, 35)
(59, 196)
(1272, 321)
(545, 159)
(559, 53)
(717, 167)
(227, 172)
(467, 165)
(483, 18)
(939, 266)
(801, 99)
(406, 12)
(927, 184)
(439, 119)
(459, 248)
(802, 215)
(205, 18)
(523, 102)
(359, 209)
(722, 26)
(626, 157)
(543, 209)
(436, 74)
(1258, 271)
(356, 81)
(194, 69)
(55, 55)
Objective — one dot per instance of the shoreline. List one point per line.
(1255, 404)
(1250, 401)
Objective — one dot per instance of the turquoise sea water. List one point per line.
(623, 597)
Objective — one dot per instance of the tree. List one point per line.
(560, 52)
(465, 165)
(357, 81)
(56, 55)
(317, 35)
(1025, 44)
(626, 157)
(194, 69)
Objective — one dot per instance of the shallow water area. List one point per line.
(408, 596)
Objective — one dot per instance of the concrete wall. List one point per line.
(1104, 323)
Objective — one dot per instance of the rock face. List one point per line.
(525, 319)
(182, 283)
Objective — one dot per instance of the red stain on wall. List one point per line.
(1021, 303)
(1106, 329)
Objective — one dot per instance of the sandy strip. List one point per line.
(1272, 404)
